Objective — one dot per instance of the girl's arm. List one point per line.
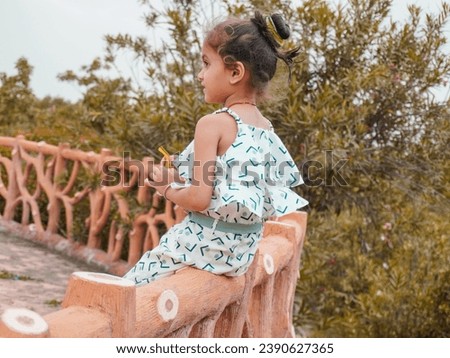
(197, 196)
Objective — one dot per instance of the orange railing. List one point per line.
(43, 182)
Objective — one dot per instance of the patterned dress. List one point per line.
(252, 183)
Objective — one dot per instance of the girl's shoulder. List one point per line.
(217, 121)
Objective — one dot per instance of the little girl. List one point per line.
(236, 173)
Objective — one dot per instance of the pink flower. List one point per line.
(387, 226)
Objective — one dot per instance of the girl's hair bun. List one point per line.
(281, 26)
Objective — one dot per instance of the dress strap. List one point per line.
(231, 113)
(237, 118)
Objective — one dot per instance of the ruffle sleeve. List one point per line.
(284, 174)
(258, 176)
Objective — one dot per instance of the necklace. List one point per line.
(241, 102)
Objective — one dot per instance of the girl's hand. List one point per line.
(161, 177)
(172, 173)
(157, 179)
(167, 162)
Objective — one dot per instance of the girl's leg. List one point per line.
(153, 265)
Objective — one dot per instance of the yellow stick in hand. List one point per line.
(166, 155)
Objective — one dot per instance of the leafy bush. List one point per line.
(389, 279)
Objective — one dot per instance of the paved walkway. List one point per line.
(32, 276)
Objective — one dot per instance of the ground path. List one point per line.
(33, 276)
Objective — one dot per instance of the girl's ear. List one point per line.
(237, 72)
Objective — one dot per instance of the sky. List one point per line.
(60, 35)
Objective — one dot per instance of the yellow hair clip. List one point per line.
(273, 30)
(166, 155)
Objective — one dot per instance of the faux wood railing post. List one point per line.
(108, 294)
(11, 191)
(100, 200)
(235, 316)
(55, 171)
(29, 205)
(283, 305)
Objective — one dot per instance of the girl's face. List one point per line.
(214, 76)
